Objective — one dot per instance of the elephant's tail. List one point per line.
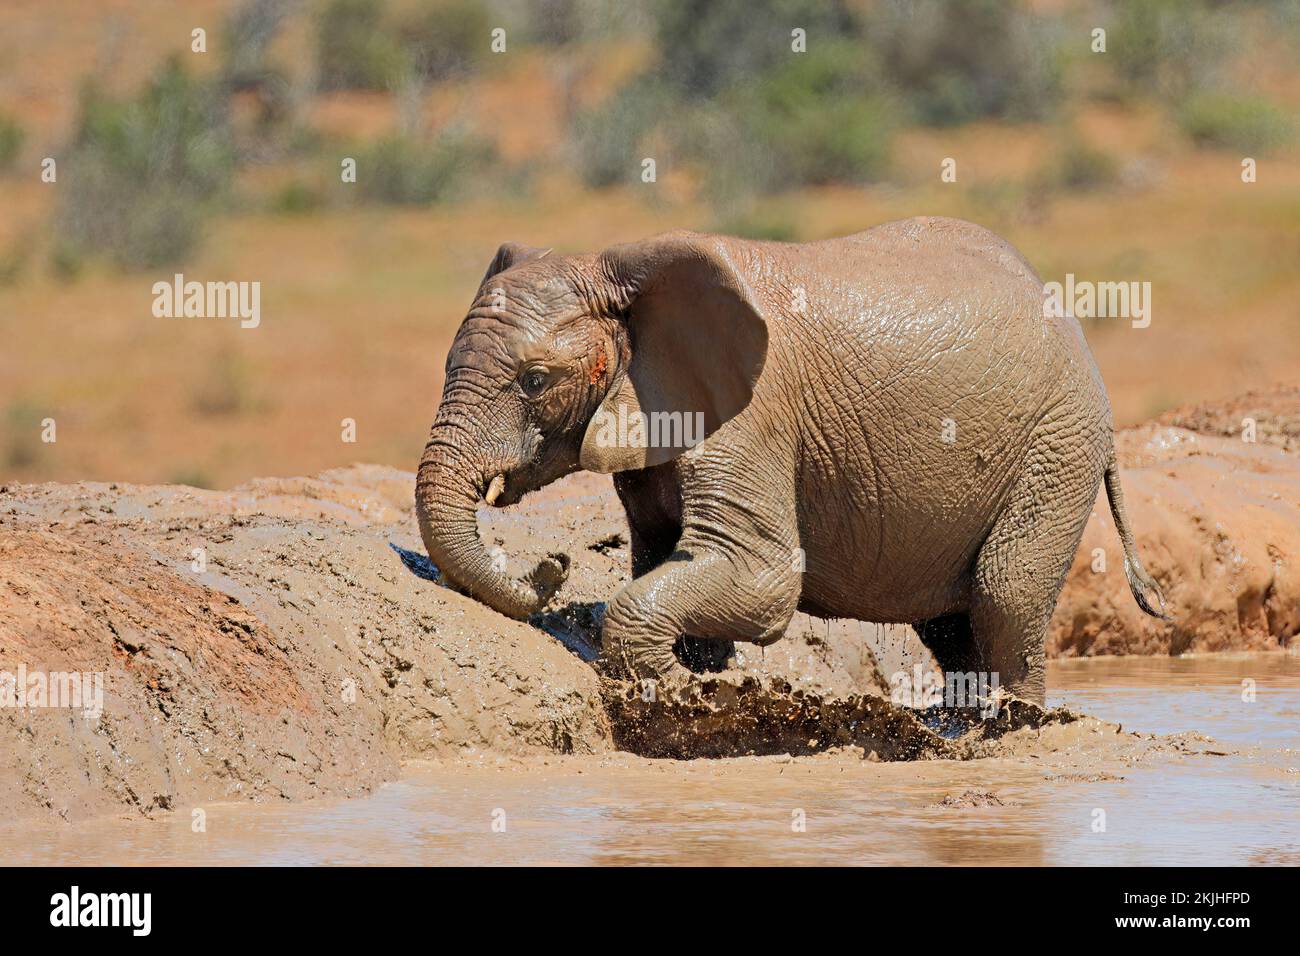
(1140, 582)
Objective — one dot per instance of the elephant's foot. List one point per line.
(652, 665)
(549, 576)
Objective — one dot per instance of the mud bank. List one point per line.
(1217, 517)
(288, 639)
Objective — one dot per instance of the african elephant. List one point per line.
(888, 427)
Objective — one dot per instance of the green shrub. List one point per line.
(250, 30)
(446, 38)
(23, 424)
(813, 119)
(607, 141)
(297, 198)
(759, 225)
(13, 262)
(708, 46)
(141, 176)
(193, 476)
(818, 120)
(560, 22)
(953, 61)
(355, 49)
(11, 142)
(1080, 167)
(1246, 123)
(404, 170)
(1169, 48)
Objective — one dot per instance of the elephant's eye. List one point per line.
(533, 382)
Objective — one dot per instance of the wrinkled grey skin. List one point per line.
(895, 433)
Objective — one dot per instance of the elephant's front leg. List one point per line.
(703, 592)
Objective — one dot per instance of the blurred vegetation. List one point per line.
(193, 477)
(708, 47)
(406, 170)
(149, 171)
(607, 138)
(11, 142)
(361, 45)
(249, 33)
(953, 61)
(1170, 48)
(355, 50)
(297, 198)
(1246, 123)
(818, 120)
(226, 388)
(728, 81)
(23, 420)
(1079, 166)
(721, 95)
(446, 39)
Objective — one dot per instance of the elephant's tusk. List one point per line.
(497, 486)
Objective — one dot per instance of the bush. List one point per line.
(355, 50)
(1169, 48)
(193, 476)
(1080, 167)
(445, 39)
(607, 140)
(23, 421)
(297, 198)
(11, 142)
(147, 173)
(708, 46)
(249, 31)
(13, 262)
(819, 122)
(765, 225)
(1246, 123)
(404, 170)
(812, 120)
(953, 61)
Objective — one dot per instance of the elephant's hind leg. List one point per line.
(948, 638)
(1021, 568)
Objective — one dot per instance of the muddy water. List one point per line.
(1235, 800)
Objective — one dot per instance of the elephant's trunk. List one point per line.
(447, 495)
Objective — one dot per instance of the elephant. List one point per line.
(888, 426)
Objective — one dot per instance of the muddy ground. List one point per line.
(288, 639)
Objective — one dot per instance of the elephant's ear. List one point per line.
(698, 342)
(511, 254)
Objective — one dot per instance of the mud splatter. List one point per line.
(732, 716)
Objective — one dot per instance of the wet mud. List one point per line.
(742, 715)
